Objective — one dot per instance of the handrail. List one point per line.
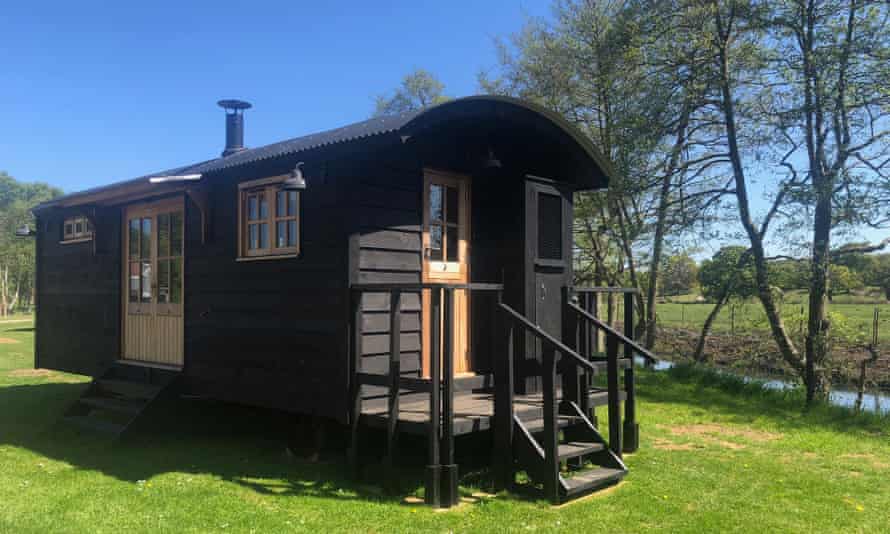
(472, 286)
(611, 331)
(552, 341)
(604, 289)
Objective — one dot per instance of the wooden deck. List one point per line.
(473, 412)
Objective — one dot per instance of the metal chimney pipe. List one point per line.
(234, 125)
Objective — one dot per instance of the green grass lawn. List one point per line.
(722, 458)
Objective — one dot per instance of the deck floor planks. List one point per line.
(473, 412)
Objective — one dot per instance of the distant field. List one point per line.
(683, 312)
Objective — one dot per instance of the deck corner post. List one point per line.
(432, 495)
(551, 432)
(571, 376)
(395, 373)
(450, 495)
(356, 408)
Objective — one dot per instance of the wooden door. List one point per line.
(154, 236)
(446, 257)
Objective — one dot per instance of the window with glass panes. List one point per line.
(444, 226)
(77, 229)
(269, 219)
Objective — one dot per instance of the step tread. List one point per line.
(537, 425)
(591, 479)
(92, 423)
(574, 449)
(127, 388)
(114, 405)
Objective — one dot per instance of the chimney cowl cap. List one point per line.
(234, 105)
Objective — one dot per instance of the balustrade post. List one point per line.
(614, 399)
(503, 400)
(631, 427)
(395, 372)
(356, 408)
(551, 433)
(571, 376)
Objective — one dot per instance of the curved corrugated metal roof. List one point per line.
(403, 122)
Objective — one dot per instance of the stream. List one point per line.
(876, 401)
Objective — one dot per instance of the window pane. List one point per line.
(251, 208)
(435, 202)
(176, 233)
(163, 236)
(134, 282)
(549, 227)
(291, 233)
(88, 226)
(176, 281)
(134, 238)
(291, 203)
(452, 210)
(145, 248)
(451, 243)
(281, 204)
(281, 233)
(436, 243)
(163, 279)
(146, 281)
(69, 229)
(253, 237)
(264, 235)
(264, 207)
(78, 226)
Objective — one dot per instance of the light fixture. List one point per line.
(25, 231)
(296, 181)
(491, 162)
(174, 178)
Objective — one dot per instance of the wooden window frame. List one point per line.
(269, 189)
(86, 234)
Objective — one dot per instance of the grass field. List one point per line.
(684, 312)
(714, 457)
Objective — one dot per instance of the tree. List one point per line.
(17, 254)
(728, 275)
(680, 274)
(418, 89)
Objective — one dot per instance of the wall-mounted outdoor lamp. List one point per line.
(25, 231)
(296, 181)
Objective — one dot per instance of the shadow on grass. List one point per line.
(263, 450)
(23, 329)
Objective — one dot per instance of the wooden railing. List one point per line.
(441, 483)
(585, 329)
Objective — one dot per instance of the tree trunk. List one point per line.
(777, 327)
(699, 354)
(660, 224)
(817, 322)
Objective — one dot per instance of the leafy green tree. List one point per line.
(727, 272)
(17, 254)
(418, 89)
(680, 274)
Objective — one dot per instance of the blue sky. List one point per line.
(95, 92)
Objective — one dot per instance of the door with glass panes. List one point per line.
(446, 259)
(153, 282)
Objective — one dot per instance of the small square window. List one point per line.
(269, 219)
(76, 229)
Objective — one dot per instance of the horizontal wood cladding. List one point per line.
(78, 294)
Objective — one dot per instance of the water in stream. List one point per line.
(877, 401)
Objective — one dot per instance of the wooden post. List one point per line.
(631, 436)
(450, 495)
(395, 372)
(434, 469)
(503, 400)
(614, 400)
(571, 378)
(551, 433)
(356, 412)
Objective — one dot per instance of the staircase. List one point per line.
(584, 461)
(114, 400)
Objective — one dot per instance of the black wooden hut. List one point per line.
(330, 274)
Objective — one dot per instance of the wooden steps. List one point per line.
(579, 445)
(113, 401)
